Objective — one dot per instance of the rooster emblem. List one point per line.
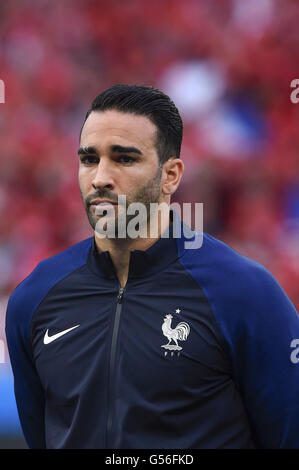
(180, 332)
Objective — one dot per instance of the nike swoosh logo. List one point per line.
(48, 339)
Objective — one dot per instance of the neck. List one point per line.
(120, 248)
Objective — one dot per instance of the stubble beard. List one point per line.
(146, 195)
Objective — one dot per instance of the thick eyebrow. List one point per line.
(114, 148)
(87, 151)
(121, 149)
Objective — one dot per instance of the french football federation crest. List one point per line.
(179, 333)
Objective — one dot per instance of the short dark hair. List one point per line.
(149, 102)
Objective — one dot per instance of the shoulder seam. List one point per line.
(212, 308)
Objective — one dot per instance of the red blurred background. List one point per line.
(227, 64)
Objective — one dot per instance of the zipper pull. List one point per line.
(120, 295)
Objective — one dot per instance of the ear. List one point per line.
(173, 170)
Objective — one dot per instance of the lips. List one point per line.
(102, 206)
(97, 202)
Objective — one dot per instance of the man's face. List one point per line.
(118, 156)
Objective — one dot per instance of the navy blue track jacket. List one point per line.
(194, 352)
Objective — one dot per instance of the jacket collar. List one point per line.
(144, 263)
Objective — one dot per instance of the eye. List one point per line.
(89, 160)
(125, 159)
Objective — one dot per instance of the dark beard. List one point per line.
(148, 194)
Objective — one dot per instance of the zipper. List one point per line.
(112, 362)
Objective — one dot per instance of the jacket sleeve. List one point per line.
(262, 335)
(28, 390)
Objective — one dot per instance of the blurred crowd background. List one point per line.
(227, 64)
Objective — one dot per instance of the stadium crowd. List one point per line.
(227, 64)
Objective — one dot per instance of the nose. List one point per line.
(103, 176)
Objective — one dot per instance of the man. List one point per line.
(142, 342)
